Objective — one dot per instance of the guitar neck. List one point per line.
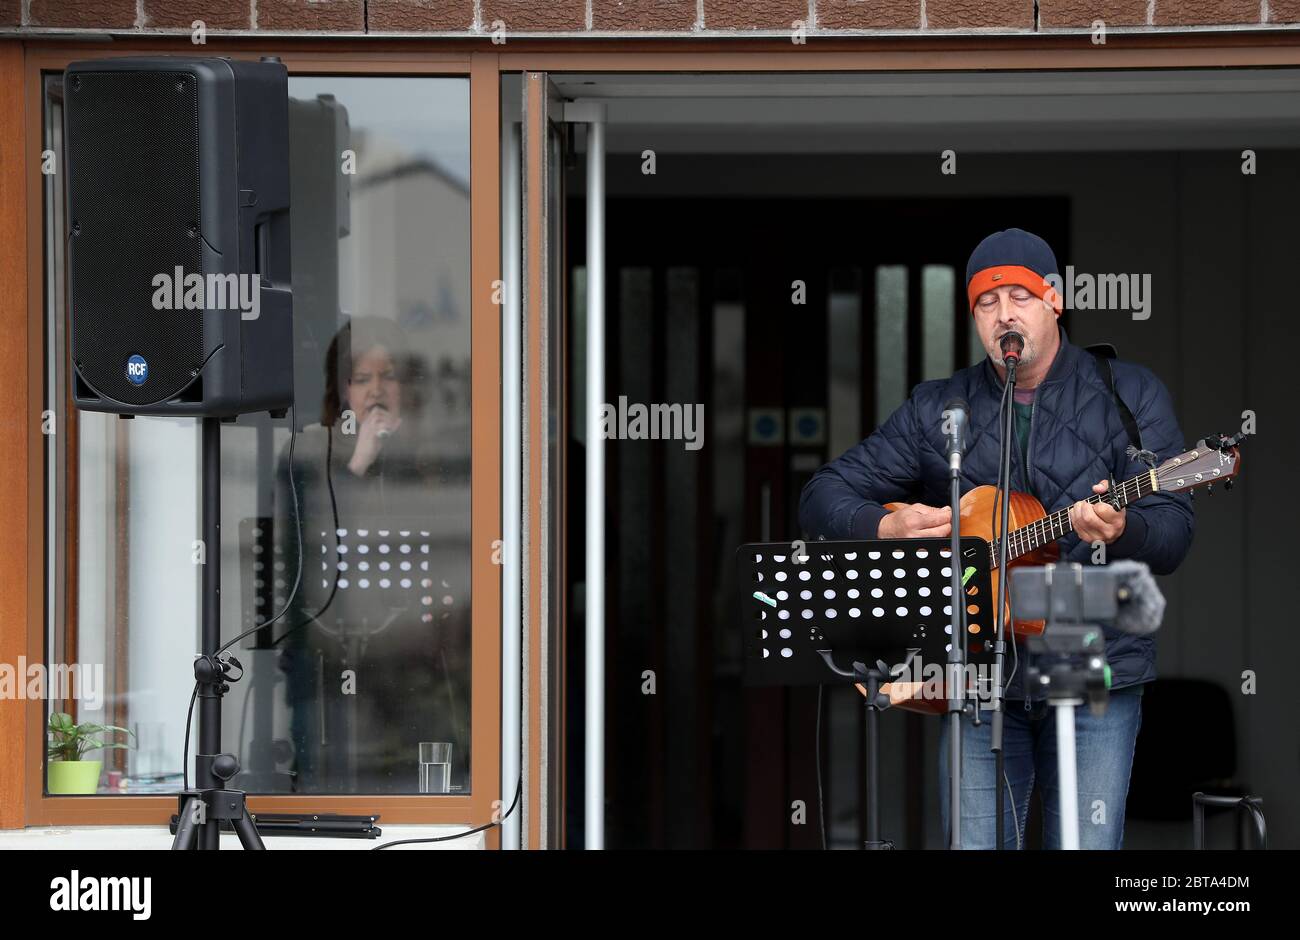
(1054, 525)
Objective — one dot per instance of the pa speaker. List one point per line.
(318, 133)
(178, 257)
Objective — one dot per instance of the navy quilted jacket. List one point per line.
(1076, 438)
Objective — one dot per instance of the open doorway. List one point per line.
(789, 253)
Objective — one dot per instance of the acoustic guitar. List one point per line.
(1034, 532)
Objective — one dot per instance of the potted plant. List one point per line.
(67, 771)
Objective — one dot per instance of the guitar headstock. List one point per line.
(1215, 459)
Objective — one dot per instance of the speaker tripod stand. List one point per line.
(203, 808)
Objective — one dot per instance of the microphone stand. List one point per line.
(956, 654)
(1007, 431)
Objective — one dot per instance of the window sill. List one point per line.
(157, 837)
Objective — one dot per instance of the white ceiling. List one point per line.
(981, 111)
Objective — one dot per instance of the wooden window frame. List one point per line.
(33, 806)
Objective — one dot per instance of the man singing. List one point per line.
(1070, 439)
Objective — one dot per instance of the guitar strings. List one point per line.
(1036, 534)
(1029, 537)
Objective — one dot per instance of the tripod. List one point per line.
(202, 808)
(1069, 666)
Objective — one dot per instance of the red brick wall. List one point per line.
(688, 17)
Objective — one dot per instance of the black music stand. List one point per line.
(868, 613)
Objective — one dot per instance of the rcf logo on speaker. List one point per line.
(137, 370)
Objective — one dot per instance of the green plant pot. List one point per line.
(74, 776)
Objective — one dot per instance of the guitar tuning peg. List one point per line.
(1227, 484)
(1209, 490)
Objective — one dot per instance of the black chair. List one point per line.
(1250, 809)
(1186, 757)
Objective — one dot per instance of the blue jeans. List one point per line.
(1105, 756)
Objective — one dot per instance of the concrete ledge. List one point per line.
(157, 837)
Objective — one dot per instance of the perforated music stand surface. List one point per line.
(846, 598)
(390, 564)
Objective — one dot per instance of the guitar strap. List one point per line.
(1104, 353)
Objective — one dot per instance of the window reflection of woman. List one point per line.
(374, 396)
(373, 673)
(371, 382)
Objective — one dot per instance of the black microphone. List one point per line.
(1012, 345)
(956, 418)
